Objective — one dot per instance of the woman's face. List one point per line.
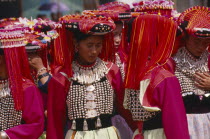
(118, 34)
(89, 49)
(197, 46)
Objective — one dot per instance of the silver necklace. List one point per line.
(187, 66)
(89, 75)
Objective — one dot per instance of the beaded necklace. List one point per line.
(187, 66)
(9, 116)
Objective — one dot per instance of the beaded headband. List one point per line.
(88, 24)
(11, 38)
(115, 6)
(196, 21)
(161, 7)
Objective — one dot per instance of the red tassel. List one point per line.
(140, 129)
(108, 50)
(152, 41)
(62, 51)
(15, 71)
(123, 48)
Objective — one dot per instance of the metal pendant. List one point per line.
(90, 88)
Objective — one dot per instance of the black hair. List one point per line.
(130, 22)
(80, 36)
(1, 51)
(183, 25)
(118, 22)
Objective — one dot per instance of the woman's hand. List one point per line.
(202, 80)
(35, 62)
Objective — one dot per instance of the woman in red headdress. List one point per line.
(191, 66)
(153, 93)
(22, 114)
(87, 88)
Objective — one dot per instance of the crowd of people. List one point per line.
(112, 73)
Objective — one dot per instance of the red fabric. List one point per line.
(164, 92)
(17, 67)
(157, 76)
(56, 110)
(62, 51)
(151, 44)
(168, 98)
(122, 50)
(170, 65)
(140, 128)
(108, 49)
(115, 78)
(32, 115)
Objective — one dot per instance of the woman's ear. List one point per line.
(76, 44)
(75, 41)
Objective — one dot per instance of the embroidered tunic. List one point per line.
(25, 124)
(88, 98)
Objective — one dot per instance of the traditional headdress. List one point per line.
(196, 21)
(38, 34)
(12, 43)
(63, 52)
(161, 7)
(39, 38)
(152, 42)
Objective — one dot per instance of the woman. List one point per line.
(153, 94)
(118, 11)
(22, 114)
(86, 87)
(191, 66)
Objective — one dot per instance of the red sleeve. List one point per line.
(32, 115)
(115, 78)
(170, 65)
(56, 109)
(168, 98)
